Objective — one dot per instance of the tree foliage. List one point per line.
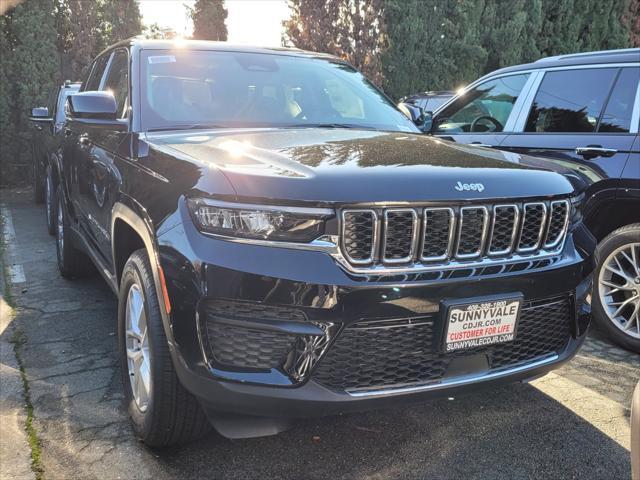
(631, 20)
(415, 45)
(209, 18)
(349, 29)
(42, 43)
(29, 70)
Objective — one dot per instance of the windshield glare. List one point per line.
(235, 89)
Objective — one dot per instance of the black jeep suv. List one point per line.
(581, 111)
(284, 242)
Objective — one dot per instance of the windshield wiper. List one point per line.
(330, 125)
(191, 126)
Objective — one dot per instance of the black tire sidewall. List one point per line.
(132, 273)
(617, 239)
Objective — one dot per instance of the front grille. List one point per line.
(393, 353)
(407, 237)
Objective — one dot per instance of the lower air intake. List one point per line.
(383, 354)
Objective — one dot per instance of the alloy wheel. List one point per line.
(619, 288)
(137, 345)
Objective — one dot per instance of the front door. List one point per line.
(102, 178)
(582, 118)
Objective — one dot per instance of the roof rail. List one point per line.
(589, 54)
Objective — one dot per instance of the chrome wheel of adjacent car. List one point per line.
(619, 288)
(137, 345)
(60, 230)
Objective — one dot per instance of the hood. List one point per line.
(351, 166)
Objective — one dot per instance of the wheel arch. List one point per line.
(131, 230)
(610, 214)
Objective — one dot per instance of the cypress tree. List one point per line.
(33, 70)
(209, 20)
(350, 29)
(118, 20)
(7, 131)
(431, 45)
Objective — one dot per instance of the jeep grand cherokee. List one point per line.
(285, 243)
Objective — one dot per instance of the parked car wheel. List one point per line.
(50, 201)
(162, 411)
(72, 262)
(38, 187)
(616, 299)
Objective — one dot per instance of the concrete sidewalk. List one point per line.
(15, 453)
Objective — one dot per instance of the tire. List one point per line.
(607, 299)
(162, 411)
(50, 201)
(72, 263)
(38, 184)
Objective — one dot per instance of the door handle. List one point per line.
(593, 151)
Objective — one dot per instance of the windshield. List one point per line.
(196, 88)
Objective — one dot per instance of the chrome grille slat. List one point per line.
(400, 235)
(473, 227)
(534, 217)
(558, 223)
(438, 234)
(504, 228)
(359, 235)
(396, 239)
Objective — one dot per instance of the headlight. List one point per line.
(263, 222)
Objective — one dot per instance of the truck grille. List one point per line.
(377, 354)
(408, 237)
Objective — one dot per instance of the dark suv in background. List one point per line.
(285, 243)
(429, 101)
(47, 147)
(580, 113)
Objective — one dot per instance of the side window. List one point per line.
(570, 100)
(97, 70)
(117, 81)
(485, 108)
(617, 114)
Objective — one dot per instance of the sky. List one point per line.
(254, 22)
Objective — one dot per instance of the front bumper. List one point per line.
(201, 269)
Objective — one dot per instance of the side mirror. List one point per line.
(97, 109)
(423, 120)
(40, 114)
(427, 122)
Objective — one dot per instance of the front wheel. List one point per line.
(72, 262)
(163, 413)
(616, 298)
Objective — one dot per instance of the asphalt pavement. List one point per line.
(573, 423)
